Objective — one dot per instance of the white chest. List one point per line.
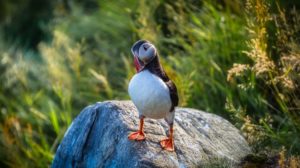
(150, 95)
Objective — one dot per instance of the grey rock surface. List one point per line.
(98, 138)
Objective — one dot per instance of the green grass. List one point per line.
(88, 59)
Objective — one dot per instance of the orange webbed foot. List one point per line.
(167, 144)
(138, 136)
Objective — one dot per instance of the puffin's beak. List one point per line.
(137, 64)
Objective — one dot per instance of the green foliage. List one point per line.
(238, 65)
(274, 50)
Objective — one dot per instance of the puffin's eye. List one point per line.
(145, 48)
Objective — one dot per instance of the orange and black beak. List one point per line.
(137, 64)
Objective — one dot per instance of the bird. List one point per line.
(152, 91)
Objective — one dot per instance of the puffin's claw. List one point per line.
(167, 144)
(138, 136)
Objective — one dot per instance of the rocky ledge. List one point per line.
(98, 138)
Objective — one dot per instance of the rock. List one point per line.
(98, 138)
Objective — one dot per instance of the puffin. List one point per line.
(152, 91)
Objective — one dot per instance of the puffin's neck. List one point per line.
(155, 67)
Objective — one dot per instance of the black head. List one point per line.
(144, 52)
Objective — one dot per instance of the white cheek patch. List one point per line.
(145, 56)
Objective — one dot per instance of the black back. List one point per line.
(155, 68)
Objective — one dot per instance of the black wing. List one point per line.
(173, 94)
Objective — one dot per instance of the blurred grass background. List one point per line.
(238, 59)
